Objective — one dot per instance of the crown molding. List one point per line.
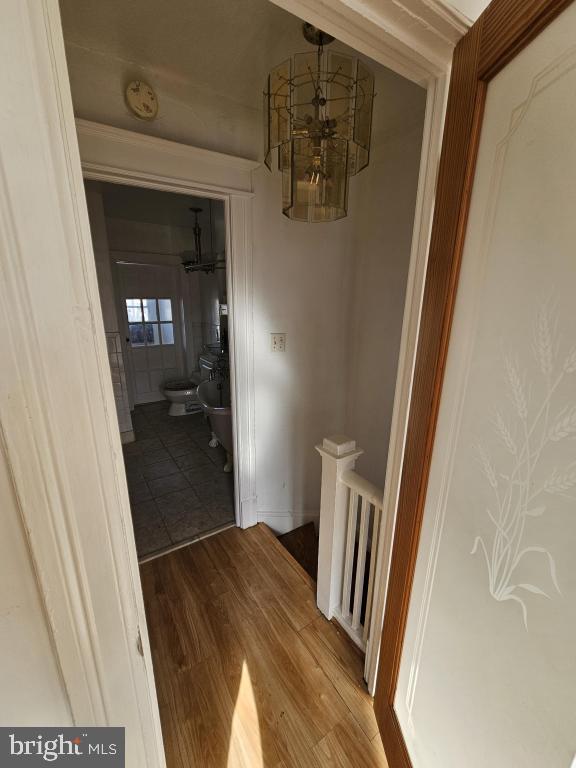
(127, 157)
(87, 128)
(415, 38)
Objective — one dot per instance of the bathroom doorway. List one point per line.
(162, 275)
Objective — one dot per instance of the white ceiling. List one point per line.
(470, 8)
(207, 61)
(226, 46)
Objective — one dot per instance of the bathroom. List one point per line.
(162, 275)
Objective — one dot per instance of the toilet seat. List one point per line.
(179, 385)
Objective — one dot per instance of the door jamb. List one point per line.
(98, 146)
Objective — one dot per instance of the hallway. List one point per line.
(248, 672)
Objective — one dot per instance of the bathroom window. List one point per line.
(150, 322)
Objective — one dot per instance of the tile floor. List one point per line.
(177, 485)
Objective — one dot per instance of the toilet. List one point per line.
(182, 396)
(182, 392)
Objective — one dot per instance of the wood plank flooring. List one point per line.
(249, 674)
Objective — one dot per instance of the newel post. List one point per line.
(339, 453)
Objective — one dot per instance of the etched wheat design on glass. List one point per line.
(527, 431)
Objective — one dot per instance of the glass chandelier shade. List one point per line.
(318, 113)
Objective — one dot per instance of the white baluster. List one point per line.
(361, 563)
(349, 554)
(339, 454)
(373, 554)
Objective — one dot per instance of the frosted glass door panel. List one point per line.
(488, 671)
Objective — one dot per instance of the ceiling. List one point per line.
(226, 46)
(153, 206)
(470, 8)
(207, 61)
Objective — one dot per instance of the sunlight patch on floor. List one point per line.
(245, 749)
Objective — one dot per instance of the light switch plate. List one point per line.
(278, 342)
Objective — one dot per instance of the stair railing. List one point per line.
(351, 518)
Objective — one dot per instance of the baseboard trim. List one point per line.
(127, 436)
(283, 522)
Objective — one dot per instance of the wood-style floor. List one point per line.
(248, 672)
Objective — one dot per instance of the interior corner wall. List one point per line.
(382, 206)
(33, 692)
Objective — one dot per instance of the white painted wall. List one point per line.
(32, 691)
(336, 290)
(301, 289)
(382, 216)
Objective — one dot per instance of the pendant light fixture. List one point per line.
(318, 113)
(194, 261)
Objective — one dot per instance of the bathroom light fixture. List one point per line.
(195, 263)
(318, 113)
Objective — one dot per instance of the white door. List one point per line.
(485, 672)
(151, 308)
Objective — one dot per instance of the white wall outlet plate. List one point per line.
(278, 342)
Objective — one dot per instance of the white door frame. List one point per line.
(124, 157)
(57, 410)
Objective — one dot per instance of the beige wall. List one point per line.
(32, 691)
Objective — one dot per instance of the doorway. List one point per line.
(74, 501)
(161, 264)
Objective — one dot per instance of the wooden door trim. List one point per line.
(502, 31)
